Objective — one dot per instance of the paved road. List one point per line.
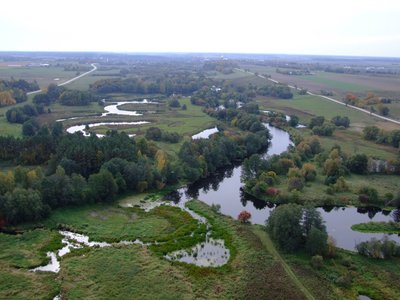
(329, 98)
(68, 81)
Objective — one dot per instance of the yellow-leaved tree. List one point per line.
(6, 99)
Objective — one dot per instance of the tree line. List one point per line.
(14, 91)
(391, 138)
(67, 97)
(81, 170)
(179, 83)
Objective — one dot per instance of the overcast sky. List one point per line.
(337, 27)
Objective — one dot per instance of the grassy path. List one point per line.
(265, 239)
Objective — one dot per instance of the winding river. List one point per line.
(224, 189)
(110, 109)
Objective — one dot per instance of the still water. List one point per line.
(223, 188)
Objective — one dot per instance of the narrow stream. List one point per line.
(109, 110)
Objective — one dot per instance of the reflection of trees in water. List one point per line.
(211, 182)
(257, 203)
(214, 182)
(328, 208)
(396, 215)
(371, 211)
(174, 196)
(192, 193)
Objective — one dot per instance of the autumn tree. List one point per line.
(6, 99)
(244, 216)
(309, 172)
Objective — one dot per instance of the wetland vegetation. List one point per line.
(169, 152)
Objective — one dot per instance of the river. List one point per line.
(223, 188)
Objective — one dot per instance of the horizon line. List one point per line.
(196, 53)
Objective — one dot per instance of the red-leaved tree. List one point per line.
(244, 216)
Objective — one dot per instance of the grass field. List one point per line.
(340, 84)
(43, 75)
(309, 106)
(234, 75)
(83, 84)
(348, 275)
(185, 122)
(332, 82)
(256, 269)
(127, 271)
(21, 252)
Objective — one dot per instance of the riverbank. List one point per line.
(317, 193)
(250, 272)
(255, 270)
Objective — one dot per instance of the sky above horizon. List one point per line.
(340, 27)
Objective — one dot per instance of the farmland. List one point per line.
(43, 75)
(341, 84)
(338, 83)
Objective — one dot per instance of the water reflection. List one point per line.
(224, 189)
(396, 215)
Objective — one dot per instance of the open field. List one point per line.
(235, 75)
(340, 84)
(307, 107)
(83, 84)
(43, 75)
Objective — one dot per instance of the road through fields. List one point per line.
(327, 98)
(68, 81)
